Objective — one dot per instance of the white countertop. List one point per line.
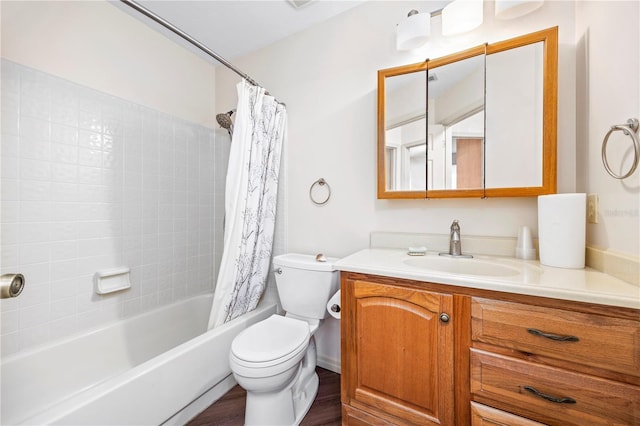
(529, 277)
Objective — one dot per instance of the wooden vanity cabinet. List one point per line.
(574, 366)
(497, 359)
(397, 353)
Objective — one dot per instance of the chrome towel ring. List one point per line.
(320, 182)
(630, 129)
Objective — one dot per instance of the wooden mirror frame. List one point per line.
(382, 175)
(549, 37)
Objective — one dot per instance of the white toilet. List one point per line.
(275, 360)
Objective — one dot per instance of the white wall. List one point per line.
(97, 45)
(327, 77)
(608, 93)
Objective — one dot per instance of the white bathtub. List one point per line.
(158, 367)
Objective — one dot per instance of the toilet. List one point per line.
(274, 360)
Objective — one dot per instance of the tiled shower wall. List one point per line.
(92, 182)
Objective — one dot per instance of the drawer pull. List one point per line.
(563, 400)
(555, 337)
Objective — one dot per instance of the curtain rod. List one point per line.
(188, 38)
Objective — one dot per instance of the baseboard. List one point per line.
(327, 363)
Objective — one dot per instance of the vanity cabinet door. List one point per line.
(397, 352)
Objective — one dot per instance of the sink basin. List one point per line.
(476, 267)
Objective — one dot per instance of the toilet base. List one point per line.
(291, 404)
(281, 408)
(305, 398)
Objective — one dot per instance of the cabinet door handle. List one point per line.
(562, 400)
(555, 337)
(444, 317)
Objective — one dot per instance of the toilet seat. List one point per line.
(271, 342)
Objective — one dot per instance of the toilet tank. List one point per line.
(304, 284)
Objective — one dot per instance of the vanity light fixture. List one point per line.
(461, 16)
(414, 31)
(509, 9)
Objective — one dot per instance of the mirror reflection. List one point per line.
(515, 151)
(456, 105)
(476, 123)
(405, 131)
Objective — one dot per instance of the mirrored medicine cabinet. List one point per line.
(476, 123)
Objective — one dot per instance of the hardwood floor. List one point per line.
(325, 411)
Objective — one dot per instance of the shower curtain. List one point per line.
(250, 203)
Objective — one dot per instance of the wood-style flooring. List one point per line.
(325, 411)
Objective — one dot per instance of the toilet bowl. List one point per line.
(267, 356)
(275, 359)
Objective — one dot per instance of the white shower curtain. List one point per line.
(250, 203)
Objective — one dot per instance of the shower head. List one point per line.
(224, 120)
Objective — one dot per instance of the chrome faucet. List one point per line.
(455, 249)
(455, 246)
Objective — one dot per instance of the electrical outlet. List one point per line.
(592, 208)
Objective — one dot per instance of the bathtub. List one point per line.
(160, 367)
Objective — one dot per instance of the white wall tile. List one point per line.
(64, 269)
(10, 344)
(10, 169)
(63, 289)
(34, 190)
(10, 143)
(10, 233)
(9, 257)
(63, 231)
(35, 253)
(64, 153)
(67, 134)
(9, 322)
(34, 169)
(35, 129)
(36, 288)
(10, 189)
(61, 172)
(34, 336)
(33, 232)
(63, 192)
(35, 315)
(10, 211)
(35, 211)
(64, 327)
(91, 182)
(64, 250)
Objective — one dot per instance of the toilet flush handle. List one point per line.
(278, 271)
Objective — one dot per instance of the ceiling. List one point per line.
(234, 28)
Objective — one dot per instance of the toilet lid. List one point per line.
(272, 339)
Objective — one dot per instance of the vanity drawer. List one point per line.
(594, 340)
(551, 395)
(482, 415)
